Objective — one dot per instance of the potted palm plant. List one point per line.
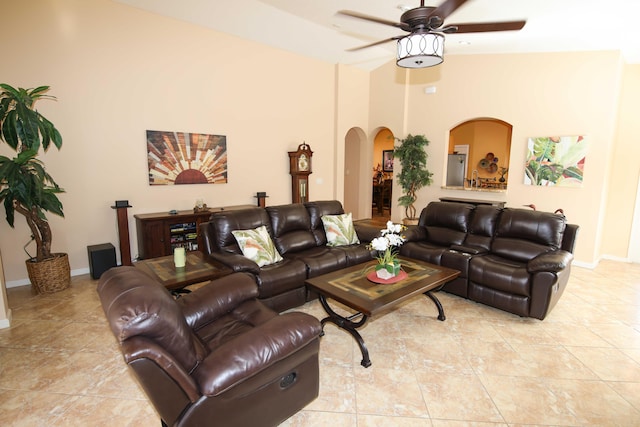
(26, 187)
(414, 173)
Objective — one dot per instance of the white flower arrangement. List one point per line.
(388, 245)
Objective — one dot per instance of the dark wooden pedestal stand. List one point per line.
(123, 231)
(262, 198)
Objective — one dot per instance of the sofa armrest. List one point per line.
(366, 233)
(472, 250)
(217, 298)
(415, 233)
(236, 262)
(555, 261)
(256, 350)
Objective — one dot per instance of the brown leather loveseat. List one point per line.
(216, 356)
(517, 260)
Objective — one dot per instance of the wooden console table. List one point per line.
(159, 233)
(473, 201)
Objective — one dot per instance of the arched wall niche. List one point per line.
(478, 154)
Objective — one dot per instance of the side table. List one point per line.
(197, 269)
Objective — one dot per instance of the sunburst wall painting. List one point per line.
(176, 158)
(555, 161)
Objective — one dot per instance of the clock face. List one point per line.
(303, 163)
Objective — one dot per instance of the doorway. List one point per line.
(382, 175)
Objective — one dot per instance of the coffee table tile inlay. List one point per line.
(350, 287)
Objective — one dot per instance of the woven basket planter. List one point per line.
(51, 275)
(410, 221)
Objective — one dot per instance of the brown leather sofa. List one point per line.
(297, 233)
(216, 356)
(517, 260)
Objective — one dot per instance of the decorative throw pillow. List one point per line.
(339, 230)
(257, 246)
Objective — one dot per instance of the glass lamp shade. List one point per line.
(420, 50)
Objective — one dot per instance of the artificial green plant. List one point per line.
(25, 186)
(414, 173)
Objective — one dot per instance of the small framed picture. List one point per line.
(387, 161)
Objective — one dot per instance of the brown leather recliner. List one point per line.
(216, 356)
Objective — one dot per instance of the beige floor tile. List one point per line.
(61, 366)
(609, 364)
(618, 334)
(337, 390)
(629, 392)
(389, 392)
(442, 394)
(21, 408)
(308, 418)
(107, 411)
(593, 403)
(528, 401)
(444, 355)
(380, 421)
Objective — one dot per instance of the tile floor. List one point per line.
(59, 364)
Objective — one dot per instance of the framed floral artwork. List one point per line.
(176, 158)
(555, 161)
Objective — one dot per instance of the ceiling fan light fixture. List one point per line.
(420, 50)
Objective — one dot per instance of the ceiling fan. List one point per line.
(424, 45)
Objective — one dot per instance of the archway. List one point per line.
(382, 174)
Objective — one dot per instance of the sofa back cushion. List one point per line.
(524, 234)
(291, 226)
(221, 226)
(482, 226)
(317, 210)
(446, 223)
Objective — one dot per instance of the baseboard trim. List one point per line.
(6, 323)
(25, 282)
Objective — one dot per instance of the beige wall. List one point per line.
(625, 168)
(118, 71)
(352, 120)
(539, 94)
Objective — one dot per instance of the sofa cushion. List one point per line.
(317, 209)
(446, 223)
(257, 246)
(482, 227)
(523, 234)
(221, 225)
(339, 230)
(291, 228)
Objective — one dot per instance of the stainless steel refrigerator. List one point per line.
(456, 169)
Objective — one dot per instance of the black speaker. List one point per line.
(101, 258)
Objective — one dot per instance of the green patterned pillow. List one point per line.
(257, 246)
(339, 230)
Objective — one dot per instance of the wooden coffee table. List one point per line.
(197, 269)
(351, 287)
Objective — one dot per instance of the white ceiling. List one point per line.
(312, 27)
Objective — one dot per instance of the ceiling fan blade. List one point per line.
(488, 26)
(353, 49)
(377, 20)
(447, 8)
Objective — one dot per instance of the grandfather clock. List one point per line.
(300, 169)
